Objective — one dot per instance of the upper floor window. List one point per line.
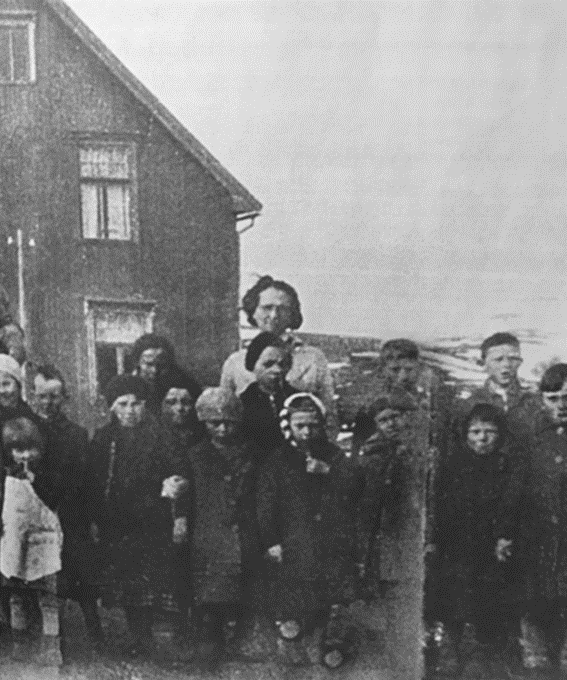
(107, 188)
(17, 48)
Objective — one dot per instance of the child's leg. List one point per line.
(19, 625)
(140, 621)
(50, 606)
(89, 607)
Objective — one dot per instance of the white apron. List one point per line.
(31, 545)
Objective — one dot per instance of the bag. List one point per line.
(31, 545)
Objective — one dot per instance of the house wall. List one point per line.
(186, 257)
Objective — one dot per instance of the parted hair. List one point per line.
(51, 372)
(251, 300)
(497, 340)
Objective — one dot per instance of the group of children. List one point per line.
(237, 506)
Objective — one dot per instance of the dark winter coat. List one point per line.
(70, 446)
(261, 423)
(140, 562)
(385, 473)
(482, 499)
(313, 518)
(224, 539)
(547, 526)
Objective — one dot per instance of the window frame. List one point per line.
(101, 142)
(92, 306)
(29, 21)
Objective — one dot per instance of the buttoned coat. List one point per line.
(224, 540)
(313, 518)
(546, 530)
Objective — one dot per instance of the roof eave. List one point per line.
(243, 200)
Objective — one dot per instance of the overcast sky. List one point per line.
(410, 156)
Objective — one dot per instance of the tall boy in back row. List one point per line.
(501, 357)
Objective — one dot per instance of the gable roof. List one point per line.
(243, 201)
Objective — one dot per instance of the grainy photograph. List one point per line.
(283, 359)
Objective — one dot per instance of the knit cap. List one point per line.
(121, 385)
(218, 403)
(258, 345)
(10, 366)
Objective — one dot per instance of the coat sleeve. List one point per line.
(512, 510)
(267, 505)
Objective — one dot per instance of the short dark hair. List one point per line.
(251, 300)
(497, 340)
(554, 378)
(51, 372)
(151, 341)
(399, 348)
(487, 413)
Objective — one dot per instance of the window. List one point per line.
(113, 327)
(17, 49)
(107, 181)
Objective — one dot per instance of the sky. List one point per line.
(410, 156)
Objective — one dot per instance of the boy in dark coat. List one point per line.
(547, 528)
(306, 502)
(479, 571)
(383, 457)
(69, 452)
(223, 538)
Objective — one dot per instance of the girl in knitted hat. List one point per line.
(223, 538)
(306, 503)
(31, 543)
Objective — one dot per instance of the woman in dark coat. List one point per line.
(134, 523)
(223, 535)
(269, 359)
(306, 502)
(547, 526)
(478, 530)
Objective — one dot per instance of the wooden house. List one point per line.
(115, 220)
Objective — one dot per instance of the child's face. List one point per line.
(9, 391)
(26, 454)
(129, 410)
(49, 396)
(555, 404)
(390, 423)
(271, 368)
(221, 432)
(402, 372)
(502, 364)
(177, 406)
(305, 427)
(482, 437)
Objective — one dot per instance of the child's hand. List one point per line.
(174, 487)
(275, 553)
(94, 532)
(317, 467)
(503, 549)
(180, 530)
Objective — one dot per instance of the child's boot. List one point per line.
(21, 643)
(50, 644)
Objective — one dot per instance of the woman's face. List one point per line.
(482, 437)
(274, 311)
(271, 368)
(129, 410)
(177, 407)
(555, 404)
(390, 423)
(152, 363)
(9, 390)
